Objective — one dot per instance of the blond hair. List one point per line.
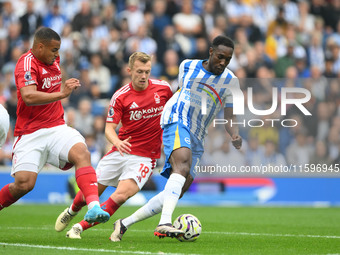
(140, 56)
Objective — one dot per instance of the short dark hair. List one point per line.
(45, 35)
(222, 40)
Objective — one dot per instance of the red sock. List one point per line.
(109, 206)
(78, 202)
(6, 198)
(85, 225)
(87, 182)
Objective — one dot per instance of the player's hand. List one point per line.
(69, 86)
(236, 140)
(124, 146)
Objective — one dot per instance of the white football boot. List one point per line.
(63, 220)
(75, 232)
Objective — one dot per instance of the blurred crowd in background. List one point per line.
(280, 43)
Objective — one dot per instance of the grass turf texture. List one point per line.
(29, 229)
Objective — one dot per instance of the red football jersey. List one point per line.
(140, 112)
(28, 71)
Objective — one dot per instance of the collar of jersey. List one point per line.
(200, 63)
(202, 67)
(40, 62)
(142, 90)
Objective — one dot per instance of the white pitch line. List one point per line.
(83, 249)
(259, 234)
(205, 232)
(273, 235)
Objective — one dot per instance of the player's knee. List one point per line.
(81, 157)
(122, 197)
(86, 155)
(23, 187)
(183, 170)
(79, 154)
(181, 164)
(181, 167)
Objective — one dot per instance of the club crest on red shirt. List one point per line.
(157, 98)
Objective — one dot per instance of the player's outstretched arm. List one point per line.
(31, 96)
(232, 130)
(111, 135)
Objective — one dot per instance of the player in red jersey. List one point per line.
(138, 106)
(41, 135)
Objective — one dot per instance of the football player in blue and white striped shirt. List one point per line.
(205, 87)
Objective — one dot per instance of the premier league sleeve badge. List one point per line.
(28, 76)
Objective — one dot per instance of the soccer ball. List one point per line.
(190, 225)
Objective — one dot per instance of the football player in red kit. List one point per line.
(41, 135)
(138, 106)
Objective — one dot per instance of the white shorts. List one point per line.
(4, 125)
(114, 167)
(47, 145)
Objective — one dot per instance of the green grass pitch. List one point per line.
(29, 229)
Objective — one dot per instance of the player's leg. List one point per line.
(78, 228)
(29, 156)
(79, 200)
(108, 172)
(135, 175)
(151, 208)
(186, 185)
(136, 172)
(179, 165)
(68, 145)
(85, 174)
(177, 149)
(70, 212)
(125, 190)
(132, 172)
(24, 182)
(180, 161)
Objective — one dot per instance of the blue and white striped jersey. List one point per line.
(198, 88)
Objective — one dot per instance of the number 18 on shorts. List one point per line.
(113, 168)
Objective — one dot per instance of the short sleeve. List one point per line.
(115, 111)
(25, 76)
(181, 73)
(234, 85)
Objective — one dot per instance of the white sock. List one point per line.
(92, 204)
(71, 212)
(79, 226)
(172, 191)
(151, 208)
